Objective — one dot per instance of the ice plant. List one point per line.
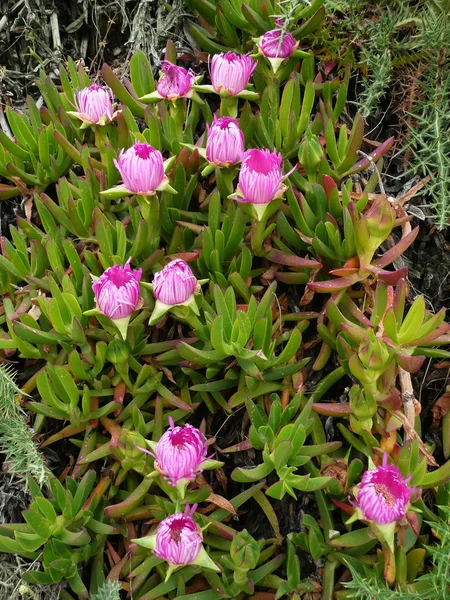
(225, 144)
(278, 43)
(230, 72)
(94, 106)
(179, 538)
(260, 179)
(178, 541)
(382, 499)
(180, 453)
(142, 169)
(175, 285)
(117, 294)
(383, 495)
(175, 81)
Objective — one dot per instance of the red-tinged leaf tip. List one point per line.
(344, 271)
(290, 260)
(328, 184)
(409, 363)
(240, 447)
(334, 285)
(330, 409)
(391, 277)
(345, 507)
(375, 155)
(397, 250)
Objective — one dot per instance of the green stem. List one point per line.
(229, 106)
(328, 580)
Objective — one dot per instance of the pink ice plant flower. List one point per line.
(261, 177)
(278, 43)
(230, 72)
(225, 144)
(175, 81)
(180, 453)
(175, 283)
(117, 291)
(383, 495)
(94, 105)
(141, 168)
(179, 538)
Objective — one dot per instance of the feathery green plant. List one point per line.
(430, 141)
(21, 454)
(109, 591)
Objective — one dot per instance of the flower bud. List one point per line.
(277, 43)
(373, 228)
(118, 352)
(362, 404)
(129, 447)
(94, 105)
(383, 495)
(260, 178)
(225, 144)
(175, 284)
(373, 353)
(230, 72)
(117, 294)
(175, 81)
(360, 426)
(180, 453)
(142, 169)
(244, 551)
(310, 154)
(179, 538)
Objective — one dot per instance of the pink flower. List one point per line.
(175, 283)
(180, 452)
(260, 177)
(117, 291)
(175, 81)
(94, 105)
(179, 538)
(230, 72)
(383, 495)
(225, 144)
(278, 44)
(141, 168)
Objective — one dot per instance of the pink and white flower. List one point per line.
(180, 453)
(94, 105)
(117, 291)
(230, 72)
(142, 169)
(278, 43)
(260, 177)
(175, 81)
(383, 495)
(179, 538)
(175, 284)
(225, 145)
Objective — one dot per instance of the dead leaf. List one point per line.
(221, 502)
(440, 409)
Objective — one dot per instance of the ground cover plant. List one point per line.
(213, 339)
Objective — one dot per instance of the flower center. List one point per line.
(382, 490)
(176, 529)
(178, 439)
(143, 150)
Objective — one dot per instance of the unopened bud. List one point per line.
(310, 153)
(362, 404)
(244, 551)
